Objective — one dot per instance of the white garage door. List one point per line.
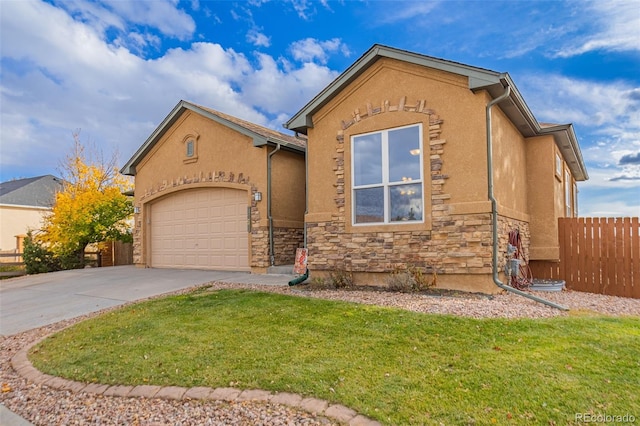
(200, 229)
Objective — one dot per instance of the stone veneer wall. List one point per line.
(186, 182)
(457, 244)
(285, 243)
(505, 226)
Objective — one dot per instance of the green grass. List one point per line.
(395, 366)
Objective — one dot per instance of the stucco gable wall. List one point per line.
(225, 158)
(218, 149)
(390, 82)
(454, 239)
(510, 168)
(545, 197)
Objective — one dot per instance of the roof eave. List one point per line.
(130, 167)
(478, 77)
(567, 142)
(283, 145)
(521, 115)
(258, 140)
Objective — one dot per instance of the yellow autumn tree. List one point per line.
(91, 207)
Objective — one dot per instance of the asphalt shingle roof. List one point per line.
(36, 191)
(256, 128)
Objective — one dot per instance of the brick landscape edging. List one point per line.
(21, 364)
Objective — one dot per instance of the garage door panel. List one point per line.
(202, 228)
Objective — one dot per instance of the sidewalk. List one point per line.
(8, 418)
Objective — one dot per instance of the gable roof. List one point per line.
(480, 79)
(261, 135)
(33, 192)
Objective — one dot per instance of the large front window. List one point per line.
(387, 176)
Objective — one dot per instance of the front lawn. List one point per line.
(395, 366)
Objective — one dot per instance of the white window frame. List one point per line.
(575, 199)
(568, 202)
(559, 164)
(191, 148)
(385, 184)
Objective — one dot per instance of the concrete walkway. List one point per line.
(37, 300)
(34, 301)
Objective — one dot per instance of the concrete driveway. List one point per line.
(33, 301)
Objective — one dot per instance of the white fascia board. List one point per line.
(477, 78)
(22, 207)
(130, 167)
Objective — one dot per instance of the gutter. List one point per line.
(302, 278)
(306, 192)
(494, 207)
(272, 257)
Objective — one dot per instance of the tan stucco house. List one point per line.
(398, 166)
(23, 205)
(407, 158)
(216, 192)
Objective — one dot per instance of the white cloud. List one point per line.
(66, 76)
(608, 112)
(606, 208)
(307, 8)
(277, 90)
(136, 22)
(310, 49)
(616, 27)
(401, 11)
(584, 102)
(162, 15)
(607, 121)
(258, 39)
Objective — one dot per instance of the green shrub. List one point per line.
(72, 260)
(37, 258)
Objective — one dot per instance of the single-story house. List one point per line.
(399, 172)
(23, 204)
(213, 191)
(407, 157)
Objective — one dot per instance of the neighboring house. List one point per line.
(216, 192)
(23, 203)
(398, 170)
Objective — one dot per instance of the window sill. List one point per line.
(388, 227)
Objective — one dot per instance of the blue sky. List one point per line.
(114, 69)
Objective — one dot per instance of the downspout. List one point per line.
(494, 209)
(272, 257)
(306, 193)
(305, 276)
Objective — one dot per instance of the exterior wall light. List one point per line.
(257, 196)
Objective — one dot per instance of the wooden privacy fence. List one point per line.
(11, 265)
(112, 253)
(597, 255)
(116, 253)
